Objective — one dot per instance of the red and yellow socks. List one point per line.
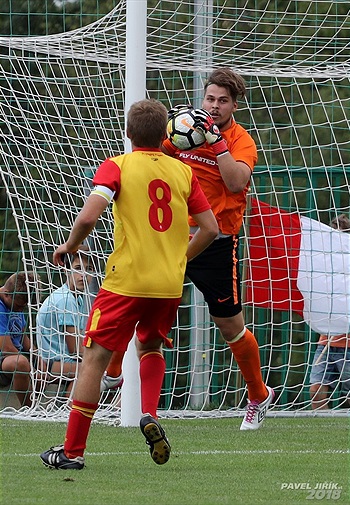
(78, 428)
(152, 370)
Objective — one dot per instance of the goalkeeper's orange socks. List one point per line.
(114, 368)
(78, 427)
(246, 354)
(152, 370)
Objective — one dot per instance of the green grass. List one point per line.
(212, 463)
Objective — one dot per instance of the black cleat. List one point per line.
(155, 437)
(55, 458)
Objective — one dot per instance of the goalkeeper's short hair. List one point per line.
(226, 78)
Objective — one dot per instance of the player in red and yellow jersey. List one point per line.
(223, 167)
(152, 196)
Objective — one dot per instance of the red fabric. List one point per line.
(274, 246)
(152, 369)
(113, 318)
(78, 428)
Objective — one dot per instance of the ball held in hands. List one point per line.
(206, 123)
(177, 108)
(182, 130)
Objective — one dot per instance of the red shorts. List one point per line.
(113, 319)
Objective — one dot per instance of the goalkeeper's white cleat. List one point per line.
(256, 412)
(108, 382)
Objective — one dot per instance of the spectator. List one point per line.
(62, 318)
(331, 363)
(14, 366)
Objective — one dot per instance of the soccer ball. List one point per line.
(182, 133)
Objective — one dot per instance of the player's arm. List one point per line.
(7, 346)
(235, 174)
(204, 236)
(199, 209)
(83, 225)
(168, 148)
(26, 345)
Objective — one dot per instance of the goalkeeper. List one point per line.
(223, 167)
(152, 196)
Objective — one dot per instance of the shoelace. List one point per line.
(252, 409)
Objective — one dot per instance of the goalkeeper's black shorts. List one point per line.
(215, 272)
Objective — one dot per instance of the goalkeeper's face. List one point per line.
(219, 103)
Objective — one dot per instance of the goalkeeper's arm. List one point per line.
(235, 174)
(206, 123)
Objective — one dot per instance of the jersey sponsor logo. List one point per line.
(16, 324)
(195, 157)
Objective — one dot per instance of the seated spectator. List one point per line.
(14, 365)
(61, 320)
(330, 368)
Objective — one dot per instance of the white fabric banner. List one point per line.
(324, 277)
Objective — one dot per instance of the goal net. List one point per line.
(62, 107)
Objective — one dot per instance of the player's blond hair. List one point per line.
(146, 123)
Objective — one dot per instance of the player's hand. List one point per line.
(202, 115)
(206, 123)
(176, 109)
(60, 253)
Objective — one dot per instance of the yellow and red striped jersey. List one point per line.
(153, 195)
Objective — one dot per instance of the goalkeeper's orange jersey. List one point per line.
(228, 207)
(153, 196)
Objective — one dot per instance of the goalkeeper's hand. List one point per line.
(176, 109)
(206, 123)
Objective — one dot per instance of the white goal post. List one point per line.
(63, 99)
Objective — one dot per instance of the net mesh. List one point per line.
(62, 104)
